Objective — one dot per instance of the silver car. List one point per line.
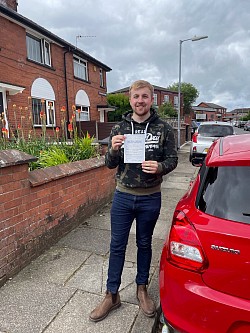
(205, 135)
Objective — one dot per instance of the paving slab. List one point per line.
(74, 317)
(29, 307)
(56, 265)
(87, 239)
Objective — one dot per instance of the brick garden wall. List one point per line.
(39, 207)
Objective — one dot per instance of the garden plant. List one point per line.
(66, 144)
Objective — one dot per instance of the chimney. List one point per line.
(12, 4)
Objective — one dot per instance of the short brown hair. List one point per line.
(141, 84)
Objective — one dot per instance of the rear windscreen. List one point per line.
(225, 193)
(215, 130)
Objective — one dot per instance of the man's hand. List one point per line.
(117, 141)
(150, 166)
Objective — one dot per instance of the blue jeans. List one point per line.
(145, 209)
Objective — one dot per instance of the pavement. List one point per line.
(58, 290)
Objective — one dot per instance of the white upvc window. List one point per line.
(166, 99)
(46, 52)
(176, 101)
(80, 68)
(155, 99)
(38, 50)
(43, 110)
(101, 78)
(82, 113)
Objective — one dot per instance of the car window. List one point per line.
(215, 130)
(225, 193)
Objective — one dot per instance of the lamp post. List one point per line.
(194, 39)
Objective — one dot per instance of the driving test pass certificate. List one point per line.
(134, 148)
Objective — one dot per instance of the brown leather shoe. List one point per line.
(146, 303)
(109, 303)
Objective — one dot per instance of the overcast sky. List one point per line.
(140, 40)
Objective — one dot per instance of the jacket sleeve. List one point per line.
(112, 157)
(170, 153)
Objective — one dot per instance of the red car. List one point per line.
(204, 276)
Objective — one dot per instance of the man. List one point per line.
(137, 195)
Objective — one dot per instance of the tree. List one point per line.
(167, 109)
(189, 92)
(121, 102)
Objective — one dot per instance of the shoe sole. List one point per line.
(149, 315)
(116, 306)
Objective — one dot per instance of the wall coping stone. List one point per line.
(41, 176)
(11, 157)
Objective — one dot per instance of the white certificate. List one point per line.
(134, 148)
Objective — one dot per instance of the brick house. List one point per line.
(161, 96)
(209, 112)
(238, 114)
(40, 71)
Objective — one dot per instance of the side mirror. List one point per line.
(197, 161)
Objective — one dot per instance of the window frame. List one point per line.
(155, 99)
(101, 77)
(41, 46)
(80, 65)
(84, 111)
(166, 99)
(47, 109)
(47, 52)
(176, 102)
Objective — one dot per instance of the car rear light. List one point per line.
(194, 137)
(184, 247)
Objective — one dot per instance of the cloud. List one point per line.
(139, 39)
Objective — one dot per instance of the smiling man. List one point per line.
(138, 194)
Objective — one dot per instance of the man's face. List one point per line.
(141, 101)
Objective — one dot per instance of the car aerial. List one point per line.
(204, 276)
(205, 135)
(247, 126)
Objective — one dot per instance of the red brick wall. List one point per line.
(39, 207)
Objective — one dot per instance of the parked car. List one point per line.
(204, 276)
(241, 123)
(247, 126)
(205, 135)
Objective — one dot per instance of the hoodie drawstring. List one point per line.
(146, 128)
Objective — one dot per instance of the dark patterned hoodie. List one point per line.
(159, 146)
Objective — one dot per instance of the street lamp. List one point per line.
(194, 39)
